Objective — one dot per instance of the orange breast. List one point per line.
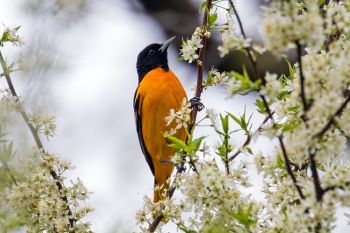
(160, 91)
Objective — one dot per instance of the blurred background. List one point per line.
(79, 65)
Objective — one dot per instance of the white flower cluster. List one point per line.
(272, 87)
(39, 200)
(189, 50)
(217, 77)
(233, 85)
(166, 207)
(216, 199)
(43, 124)
(338, 17)
(326, 83)
(10, 35)
(8, 105)
(231, 40)
(212, 114)
(212, 196)
(286, 22)
(181, 118)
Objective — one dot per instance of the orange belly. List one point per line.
(159, 92)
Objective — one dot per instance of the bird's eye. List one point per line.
(151, 52)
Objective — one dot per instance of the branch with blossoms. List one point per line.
(306, 115)
(38, 198)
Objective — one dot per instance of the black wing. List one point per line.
(138, 120)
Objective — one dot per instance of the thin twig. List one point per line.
(302, 79)
(249, 137)
(199, 88)
(35, 136)
(289, 169)
(313, 164)
(331, 121)
(317, 183)
(248, 49)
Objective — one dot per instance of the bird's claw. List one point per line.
(196, 102)
(180, 167)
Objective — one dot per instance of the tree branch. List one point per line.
(302, 80)
(200, 64)
(268, 110)
(317, 183)
(289, 168)
(199, 88)
(313, 165)
(331, 121)
(35, 135)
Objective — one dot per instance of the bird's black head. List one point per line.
(153, 56)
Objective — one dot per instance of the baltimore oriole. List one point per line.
(158, 91)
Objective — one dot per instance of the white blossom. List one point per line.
(189, 50)
(284, 23)
(181, 118)
(231, 40)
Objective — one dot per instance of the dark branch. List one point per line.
(313, 165)
(317, 183)
(200, 64)
(289, 168)
(331, 121)
(302, 80)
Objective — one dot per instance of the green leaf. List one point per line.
(321, 2)
(291, 70)
(195, 144)
(261, 107)
(209, 79)
(202, 6)
(238, 121)
(176, 143)
(7, 153)
(244, 216)
(180, 59)
(224, 122)
(249, 150)
(212, 19)
(247, 85)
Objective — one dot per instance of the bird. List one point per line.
(158, 91)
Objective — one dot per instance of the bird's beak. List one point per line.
(166, 44)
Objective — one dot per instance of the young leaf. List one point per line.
(195, 144)
(202, 6)
(224, 122)
(176, 143)
(212, 19)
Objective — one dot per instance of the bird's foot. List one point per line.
(180, 167)
(196, 102)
